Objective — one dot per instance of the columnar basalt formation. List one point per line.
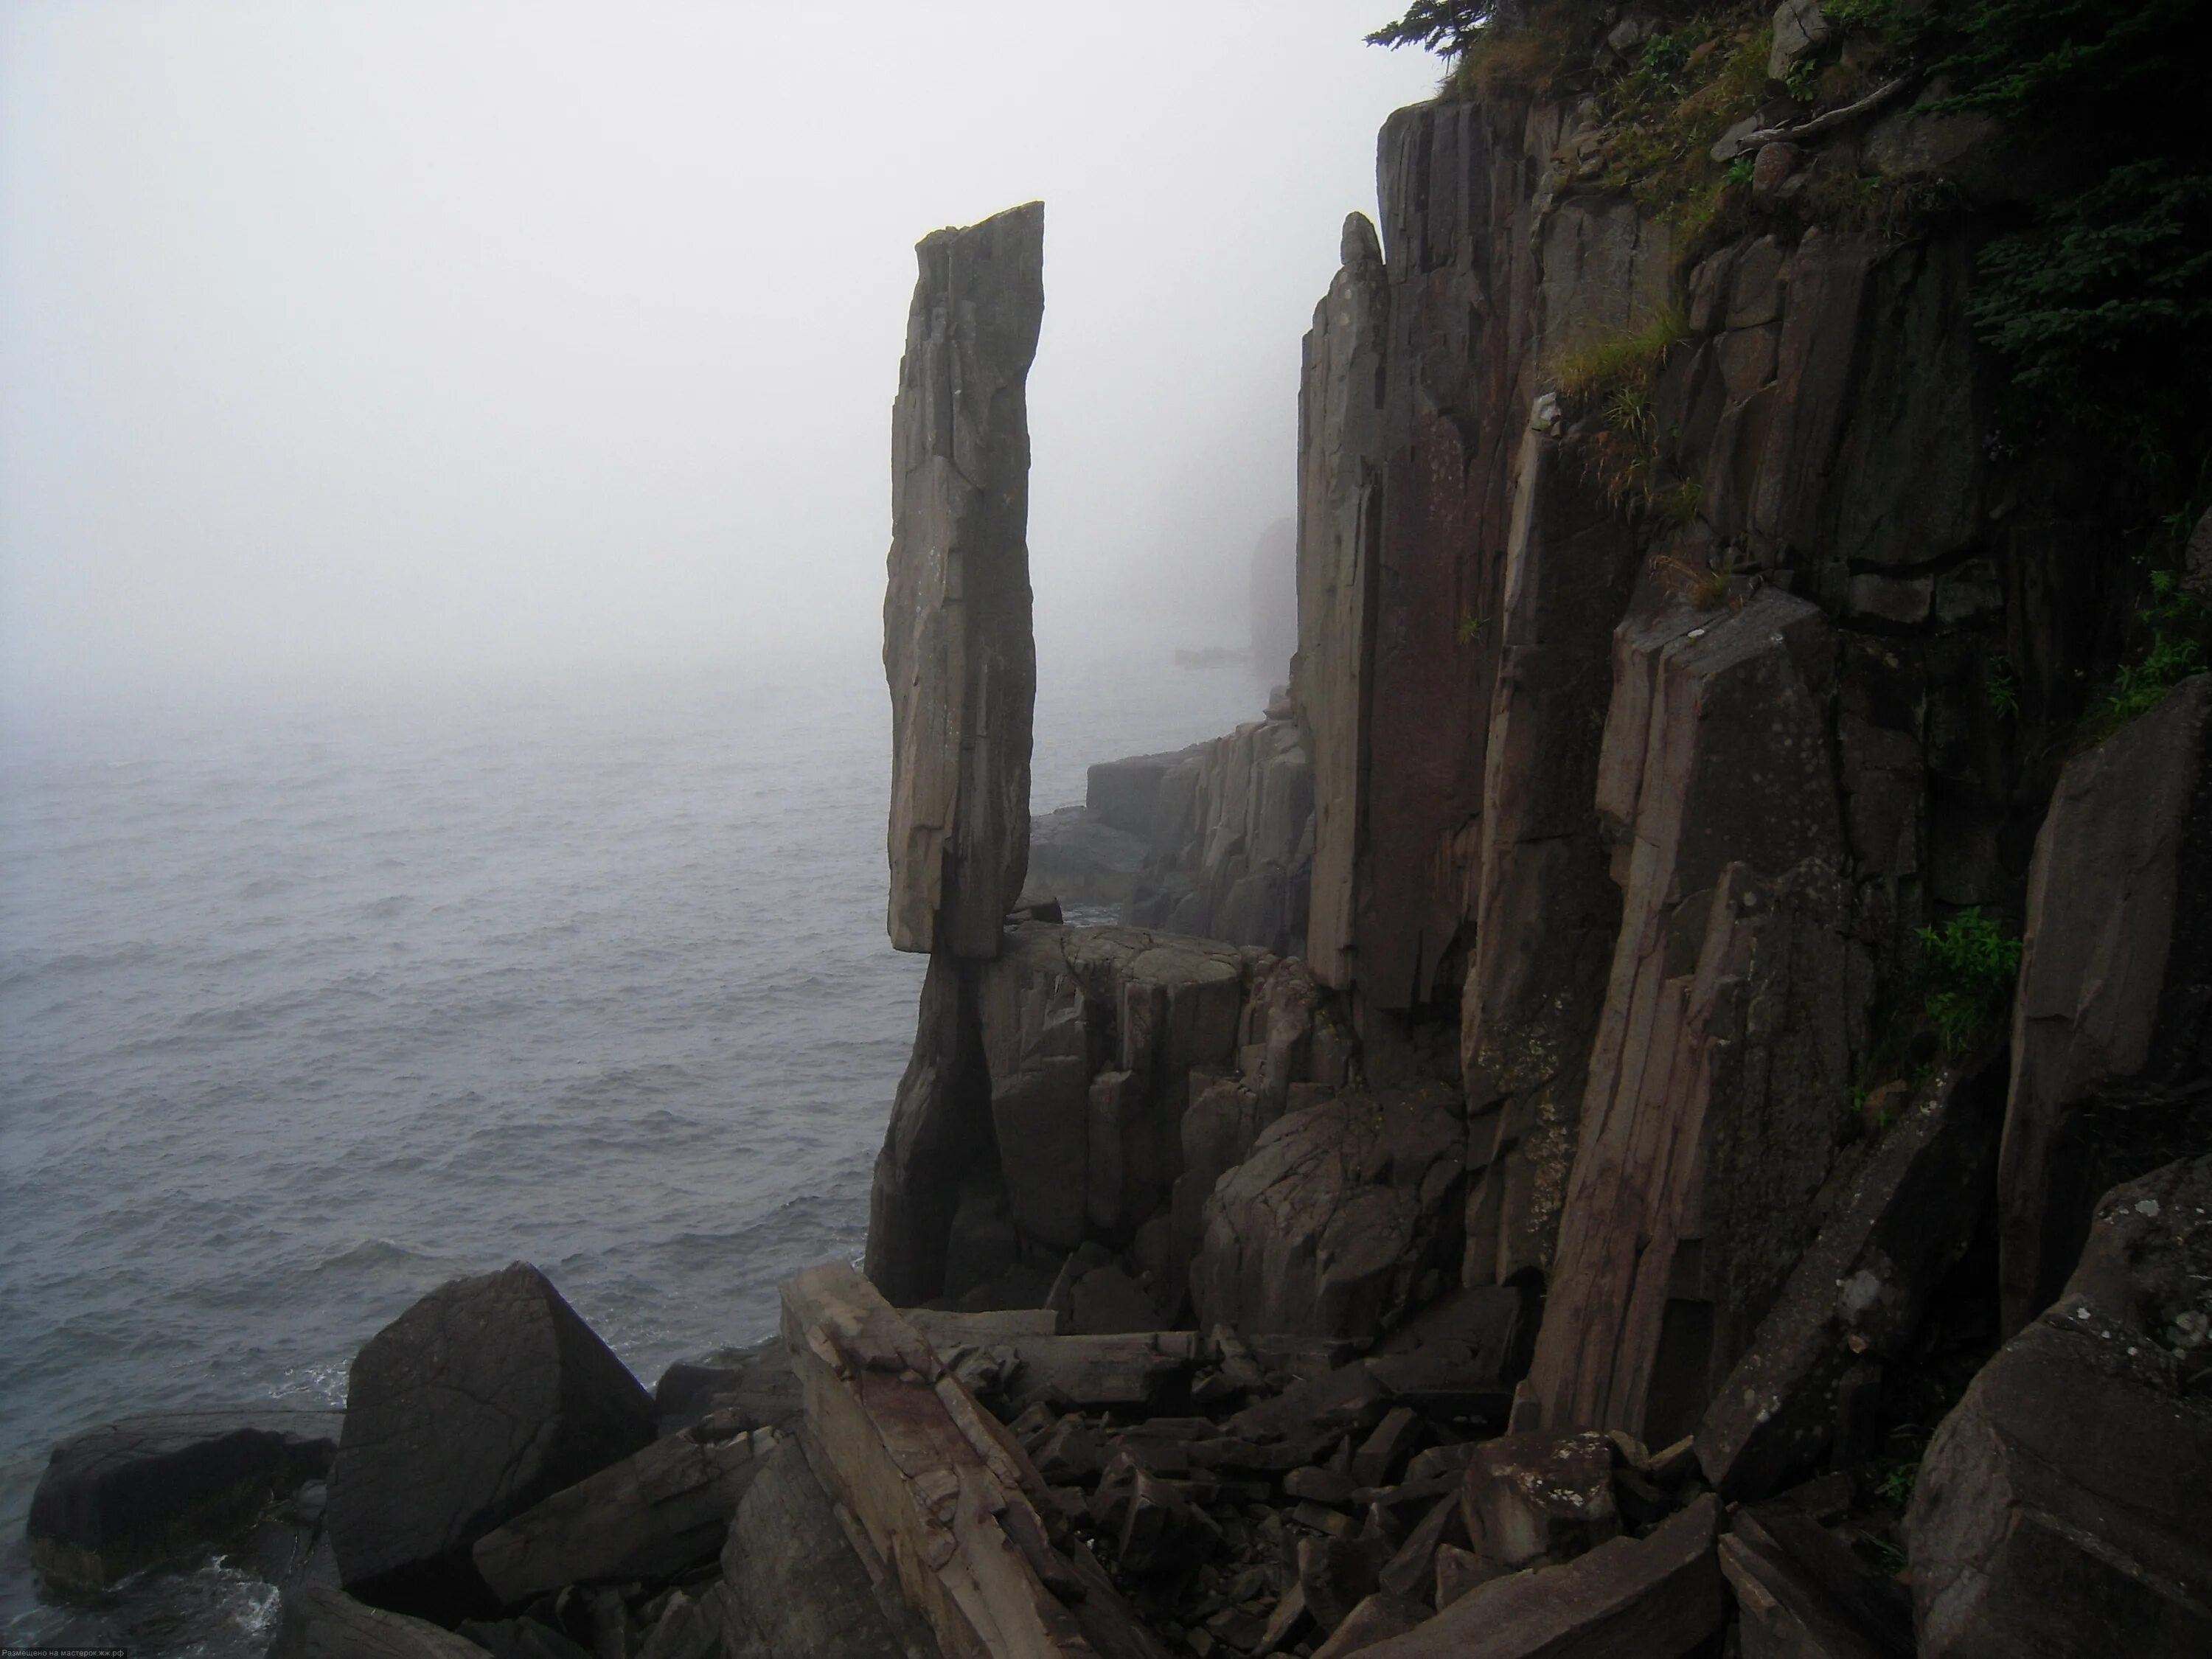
(1720, 1070)
(958, 651)
(1548, 910)
(1231, 827)
(1339, 522)
(2112, 1042)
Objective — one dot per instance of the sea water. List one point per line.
(308, 1005)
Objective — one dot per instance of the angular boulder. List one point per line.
(486, 1397)
(2062, 1507)
(322, 1623)
(1657, 1598)
(2111, 1072)
(131, 1493)
(959, 650)
(1538, 1497)
(1328, 1228)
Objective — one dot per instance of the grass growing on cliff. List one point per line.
(2177, 623)
(1617, 379)
(1623, 368)
(1973, 965)
(1687, 88)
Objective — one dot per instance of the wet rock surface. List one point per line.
(130, 1494)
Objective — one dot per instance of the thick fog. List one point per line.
(410, 337)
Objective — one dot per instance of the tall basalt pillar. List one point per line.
(958, 648)
(1339, 522)
(1550, 911)
(1719, 1075)
(961, 658)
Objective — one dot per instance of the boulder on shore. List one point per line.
(487, 1396)
(131, 1493)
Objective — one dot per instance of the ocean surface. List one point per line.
(306, 1009)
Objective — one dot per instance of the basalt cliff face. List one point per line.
(1686, 651)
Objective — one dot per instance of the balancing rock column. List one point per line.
(957, 646)
(961, 658)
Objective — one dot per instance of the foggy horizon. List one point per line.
(393, 344)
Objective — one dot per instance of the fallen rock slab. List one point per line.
(328, 1623)
(1654, 1598)
(796, 1583)
(943, 1492)
(521, 1639)
(1375, 1620)
(131, 1493)
(646, 1518)
(1128, 1371)
(2062, 1507)
(1803, 1594)
(486, 1397)
(1539, 1498)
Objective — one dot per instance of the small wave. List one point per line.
(385, 1256)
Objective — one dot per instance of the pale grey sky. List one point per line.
(374, 338)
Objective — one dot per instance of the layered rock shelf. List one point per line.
(1655, 1104)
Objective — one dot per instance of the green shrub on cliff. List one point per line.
(2176, 625)
(2100, 303)
(1973, 965)
(1448, 27)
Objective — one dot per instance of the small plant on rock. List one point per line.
(2001, 690)
(2177, 625)
(1972, 966)
(1620, 371)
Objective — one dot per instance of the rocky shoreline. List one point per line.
(1648, 1106)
